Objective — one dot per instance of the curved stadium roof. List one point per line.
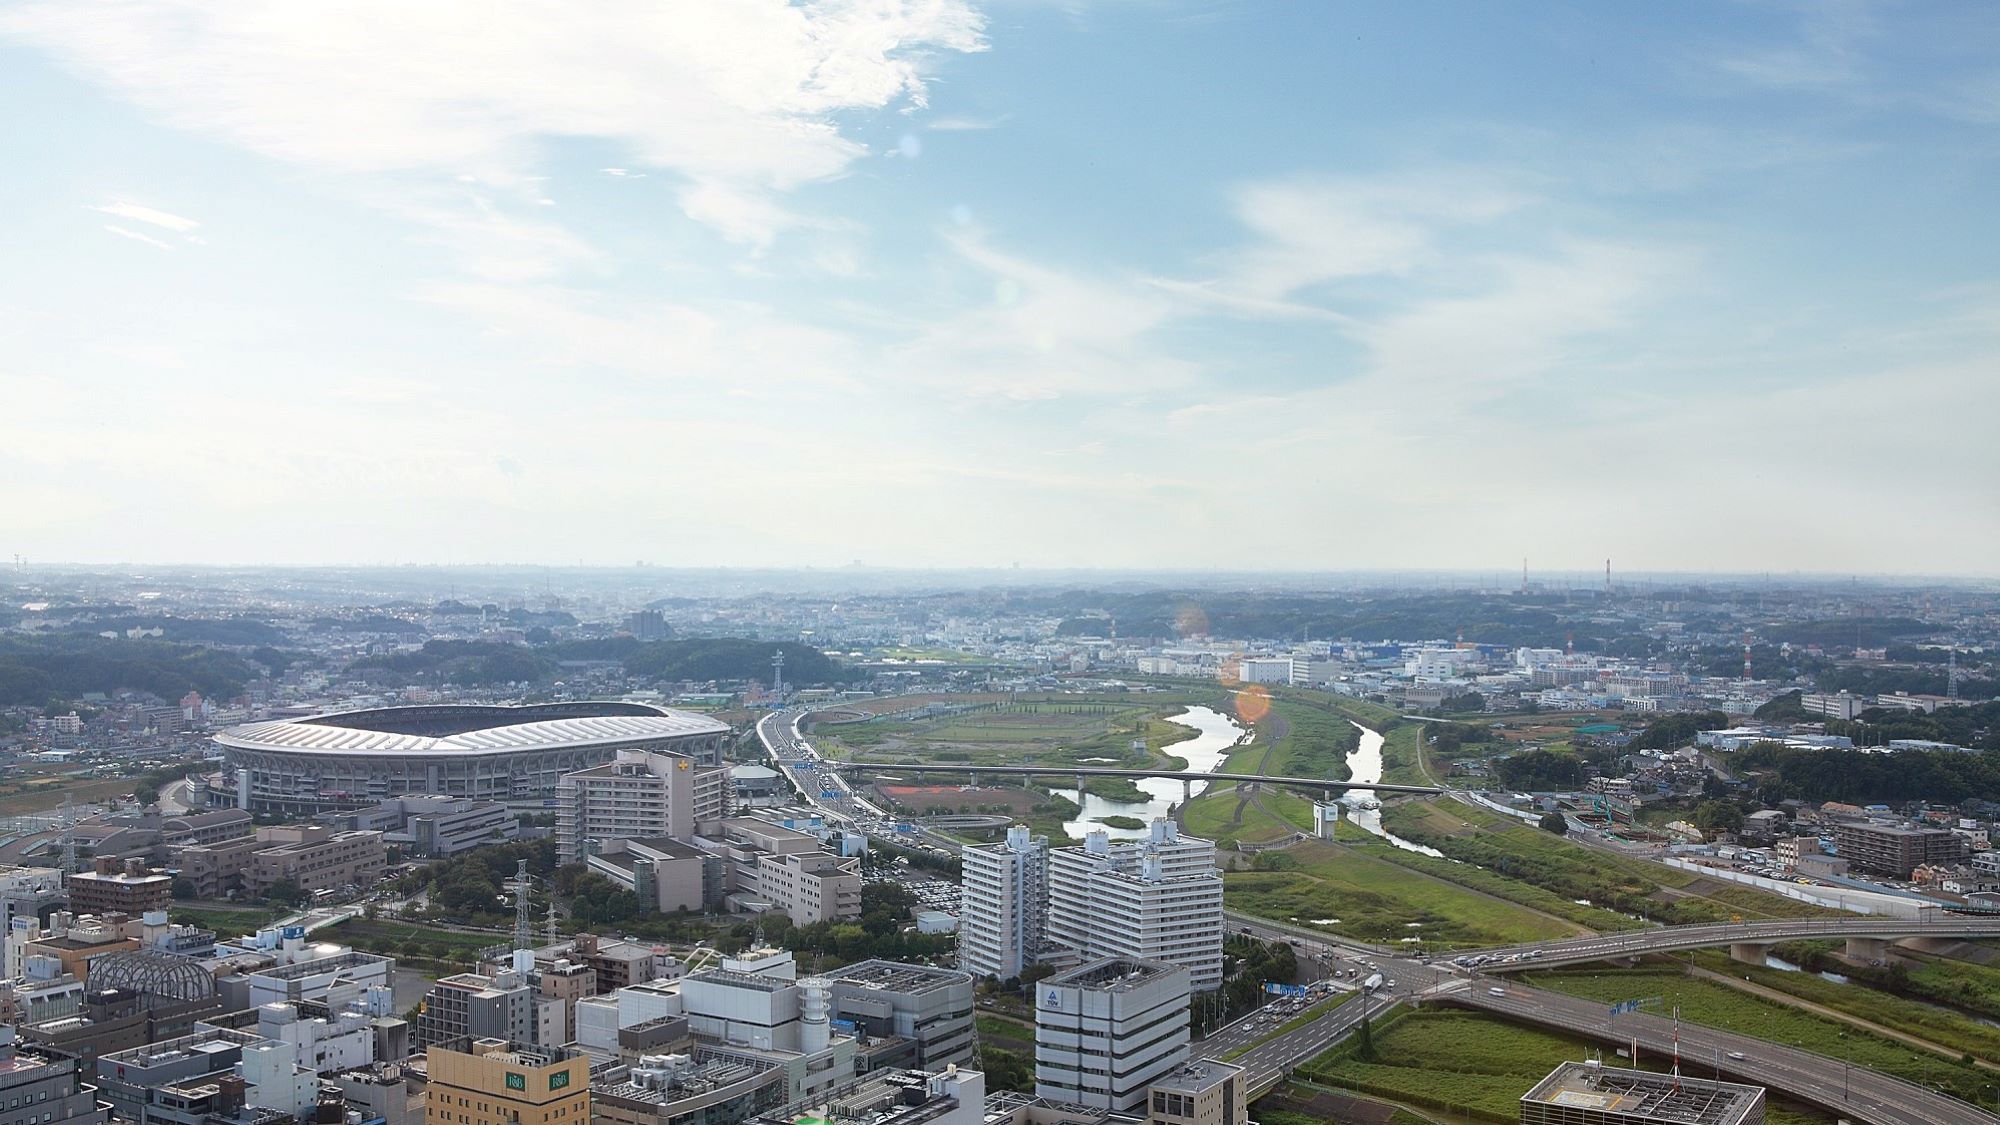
(468, 729)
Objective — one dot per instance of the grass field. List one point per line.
(1717, 1005)
(1374, 900)
(1513, 890)
(1573, 871)
(1898, 1013)
(1005, 1033)
(227, 922)
(1467, 1063)
(1295, 738)
(46, 794)
(420, 945)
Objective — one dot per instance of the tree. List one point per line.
(287, 892)
(183, 888)
(1714, 817)
(1555, 822)
(146, 795)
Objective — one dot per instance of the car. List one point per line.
(1737, 1055)
(1496, 992)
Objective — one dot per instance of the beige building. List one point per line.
(494, 1082)
(1204, 1092)
(112, 887)
(314, 856)
(778, 868)
(642, 794)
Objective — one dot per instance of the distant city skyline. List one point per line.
(1177, 286)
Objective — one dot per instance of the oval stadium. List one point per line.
(510, 754)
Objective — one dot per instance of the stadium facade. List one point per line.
(509, 754)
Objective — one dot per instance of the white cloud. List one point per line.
(136, 236)
(736, 97)
(148, 215)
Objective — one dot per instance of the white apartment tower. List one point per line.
(642, 794)
(1005, 899)
(1155, 899)
(1105, 1031)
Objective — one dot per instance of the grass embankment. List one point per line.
(1713, 1004)
(1292, 739)
(1911, 1017)
(1574, 871)
(1463, 1063)
(1501, 886)
(226, 921)
(1341, 890)
(415, 946)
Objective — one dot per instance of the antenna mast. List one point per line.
(523, 929)
(778, 675)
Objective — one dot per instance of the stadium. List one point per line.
(510, 754)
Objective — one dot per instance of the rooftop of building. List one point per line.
(668, 846)
(1640, 1093)
(729, 978)
(1113, 974)
(678, 1077)
(466, 728)
(895, 976)
(1198, 1076)
(881, 1097)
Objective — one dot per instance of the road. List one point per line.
(1318, 784)
(1667, 939)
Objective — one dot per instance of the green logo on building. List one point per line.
(559, 1079)
(517, 1081)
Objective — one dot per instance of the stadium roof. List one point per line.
(470, 729)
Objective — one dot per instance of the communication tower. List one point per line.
(1746, 656)
(523, 928)
(778, 674)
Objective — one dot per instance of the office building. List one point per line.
(1106, 1031)
(663, 873)
(772, 867)
(1894, 850)
(38, 1088)
(123, 887)
(952, 1096)
(639, 794)
(911, 1015)
(316, 857)
(495, 1082)
(30, 893)
(1003, 904)
(1153, 899)
(211, 1071)
(433, 824)
(1204, 1092)
(1587, 1093)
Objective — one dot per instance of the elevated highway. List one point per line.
(1866, 938)
(1186, 777)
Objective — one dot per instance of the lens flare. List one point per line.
(1190, 621)
(1253, 703)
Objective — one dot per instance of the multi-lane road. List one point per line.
(1667, 939)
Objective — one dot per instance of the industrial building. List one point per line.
(1588, 1093)
(510, 755)
(1106, 1031)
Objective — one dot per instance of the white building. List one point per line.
(642, 794)
(1106, 1030)
(1157, 899)
(1002, 904)
(1265, 669)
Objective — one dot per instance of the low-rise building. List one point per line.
(1892, 849)
(433, 824)
(771, 867)
(706, 1086)
(663, 873)
(892, 1004)
(1204, 1092)
(315, 857)
(1587, 1093)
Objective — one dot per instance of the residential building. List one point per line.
(639, 794)
(434, 824)
(1204, 1092)
(893, 1004)
(1589, 1093)
(1894, 850)
(476, 1006)
(1157, 898)
(495, 1082)
(1003, 904)
(119, 887)
(1106, 1031)
(44, 1088)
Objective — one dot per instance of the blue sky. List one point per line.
(938, 282)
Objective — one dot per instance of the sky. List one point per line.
(1171, 284)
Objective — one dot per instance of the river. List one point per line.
(1364, 763)
(1216, 734)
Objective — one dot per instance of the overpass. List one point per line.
(1187, 778)
(1867, 939)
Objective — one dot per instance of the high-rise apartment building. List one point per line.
(493, 1082)
(1003, 904)
(642, 794)
(1105, 1031)
(1158, 898)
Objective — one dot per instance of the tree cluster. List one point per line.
(1539, 771)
